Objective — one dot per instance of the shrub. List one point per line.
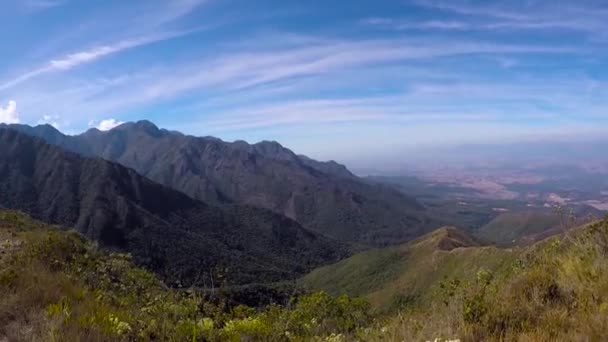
(58, 286)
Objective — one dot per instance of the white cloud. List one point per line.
(52, 120)
(9, 114)
(105, 125)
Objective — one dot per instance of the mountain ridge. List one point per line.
(395, 277)
(165, 230)
(446, 238)
(322, 196)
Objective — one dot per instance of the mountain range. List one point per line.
(324, 197)
(202, 213)
(184, 240)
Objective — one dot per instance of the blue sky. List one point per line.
(332, 79)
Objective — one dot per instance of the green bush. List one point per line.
(60, 287)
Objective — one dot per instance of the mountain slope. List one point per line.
(323, 197)
(399, 276)
(182, 239)
(529, 226)
(511, 227)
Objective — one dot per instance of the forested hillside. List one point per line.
(185, 241)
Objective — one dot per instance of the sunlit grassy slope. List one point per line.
(406, 275)
(446, 286)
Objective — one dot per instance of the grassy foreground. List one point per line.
(555, 290)
(57, 286)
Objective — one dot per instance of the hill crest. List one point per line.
(446, 238)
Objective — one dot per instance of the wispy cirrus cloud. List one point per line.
(37, 5)
(502, 16)
(247, 69)
(445, 63)
(403, 24)
(424, 116)
(251, 70)
(488, 9)
(454, 25)
(92, 54)
(459, 103)
(178, 9)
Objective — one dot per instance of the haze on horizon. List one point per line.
(346, 80)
